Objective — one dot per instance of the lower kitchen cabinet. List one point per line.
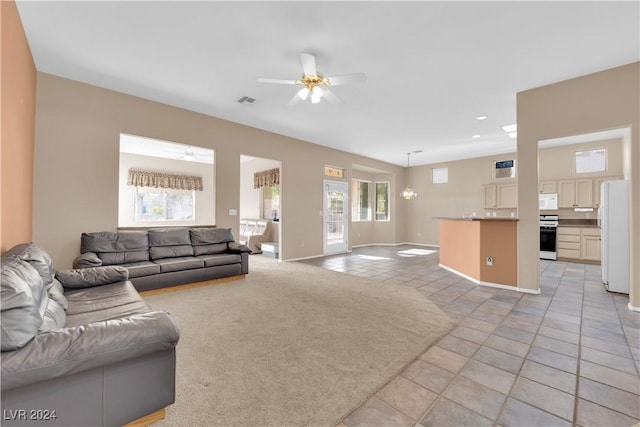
(579, 244)
(590, 247)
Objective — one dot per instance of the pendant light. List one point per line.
(409, 193)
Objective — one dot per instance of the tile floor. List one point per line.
(569, 356)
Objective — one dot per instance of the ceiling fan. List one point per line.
(315, 84)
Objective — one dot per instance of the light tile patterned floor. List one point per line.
(569, 356)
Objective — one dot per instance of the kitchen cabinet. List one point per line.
(569, 240)
(575, 193)
(597, 182)
(507, 196)
(547, 187)
(500, 196)
(590, 245)
(490, 196)
(579, 243)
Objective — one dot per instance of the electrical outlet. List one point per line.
(489, 260)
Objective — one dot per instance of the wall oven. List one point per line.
(548, 237)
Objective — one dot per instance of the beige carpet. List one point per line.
(292, 345)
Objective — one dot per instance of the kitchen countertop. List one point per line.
(477, 218)
(577, 226)
(581, 223)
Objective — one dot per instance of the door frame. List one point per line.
(344, 246)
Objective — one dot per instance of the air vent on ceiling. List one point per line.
(246, 99)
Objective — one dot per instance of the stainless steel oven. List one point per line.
(548, 237)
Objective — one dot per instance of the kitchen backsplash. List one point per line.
(578, 222)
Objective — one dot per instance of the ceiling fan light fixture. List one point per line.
(303, 93)
(317, 92)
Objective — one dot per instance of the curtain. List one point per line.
(266, 178)
(140, 178)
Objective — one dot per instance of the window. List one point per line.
(156, 204)
(591, 160)
(440, 175)
(504, 169)
(382, 201)
(271, 202)
(360, 209)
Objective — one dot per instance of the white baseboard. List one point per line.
(313, 256)
(491, 284)
(395, 244)
(632, 308)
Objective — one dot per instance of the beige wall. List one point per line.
(18, 125)
(599, 101)
(559, 162)
(76, 166)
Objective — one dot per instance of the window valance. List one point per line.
(267, 178)
(141, 178)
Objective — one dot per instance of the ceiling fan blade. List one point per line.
(278, 81)
(296, 98)
(347, 78)
(331, 97)
(308, 64)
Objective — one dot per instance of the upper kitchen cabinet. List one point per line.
(547, 187)
(500, 196)
(490, 196)
(507, 196)
(575, 193)
(597, 183)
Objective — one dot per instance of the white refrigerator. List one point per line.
(613, 217)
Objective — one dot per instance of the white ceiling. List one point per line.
(432, 67)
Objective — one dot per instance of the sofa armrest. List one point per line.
(94, 276)
(68, 351)
(237, 248)
(87, 260)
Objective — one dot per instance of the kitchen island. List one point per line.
(483, 250)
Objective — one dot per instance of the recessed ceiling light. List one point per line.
(510, 128)
(481, 118)
(475, 136)
(513, 134)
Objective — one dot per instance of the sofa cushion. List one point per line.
(87, 260)
(54, 317)
(114, 241)
(208, 236)
(95, 276)
(139, 269)
(179, 264)
(56, 293)
(114, 258)
(218, 248)
(169, 237)
(37, 257)
(106, 302)
(223, 259)
(160, 252)
(23, 302)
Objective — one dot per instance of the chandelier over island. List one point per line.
(409, 193)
